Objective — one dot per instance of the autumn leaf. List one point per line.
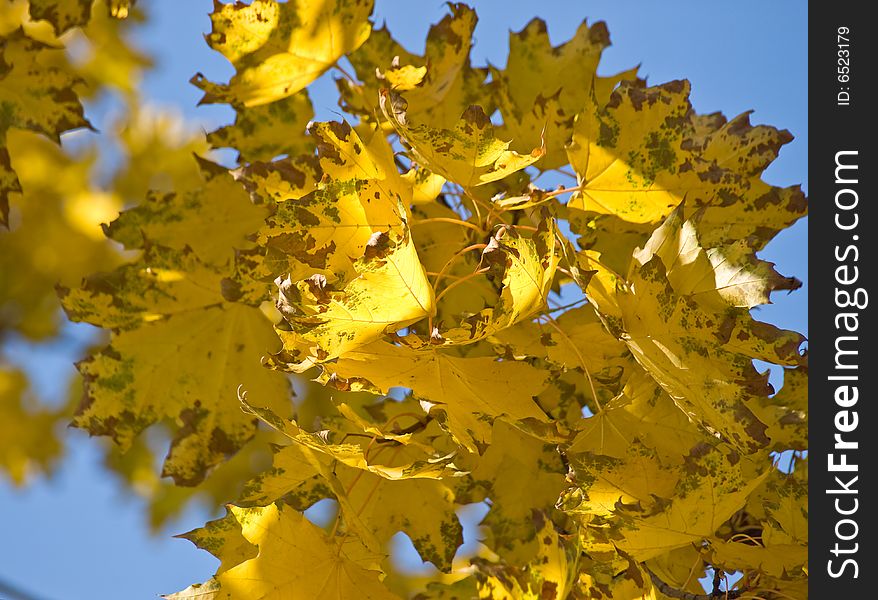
(171, 302)
(438, 86)
(640, 156)
(536, 93)
(525, 267)
(471, 392)
(224, 536)
(279, 48)
(580, 361)
(700, 354)
(515, 456)
(169, 219)
(256, 135)
(37, 94)
(323, 566)
(468, 155)
(62, 14)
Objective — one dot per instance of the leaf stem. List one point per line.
(594, 392)
(460, 281)
(460, 222)
(451, 260)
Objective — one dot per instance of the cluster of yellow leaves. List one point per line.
(623, 442)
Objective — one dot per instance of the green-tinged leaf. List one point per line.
(645, 152)
(261, 133)
(438, 86)
(468, 154)
(515, 457)
(536, 93)
(212, 219)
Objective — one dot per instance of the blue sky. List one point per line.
(79, 535)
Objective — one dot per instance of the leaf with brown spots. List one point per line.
(469, 154)
(62, 14)
(697, 349)
(278, 48)
(438, 86)
(213, 219)
(181, 346)
(515, 457)
(36, 93)
(261, 133)
(536, 92)
(641, 155)
(525, 268)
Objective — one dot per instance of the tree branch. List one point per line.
(672, 592)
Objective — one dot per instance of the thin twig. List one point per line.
(672, 592)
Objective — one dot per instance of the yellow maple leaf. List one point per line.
(638, 157)
(213, 219)
(62, 14)
(346, 266)
(168, 303)
(525, 267)
(438, 85)
(468, 155)
(512, 457)
(321, 565)
(713, 484)
(37, 93)
(535, 93)
(261, 133)
(223, 535)
(699, 353)
(471, 392)
(278, 48)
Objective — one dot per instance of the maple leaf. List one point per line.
(37, 93)
(171, 302)
(712, 485)
(256, 133)
(438, 86)
(56, 236)
(193, 218)
(412, 255)
(468, 155)
(324, 567)
(642, 154)
(470, 391)
(525, 268)
(62, 14)
(223, 536)
(279, 48)
(700, 353)
(512, 456)
(535, 93)
(383, 482)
